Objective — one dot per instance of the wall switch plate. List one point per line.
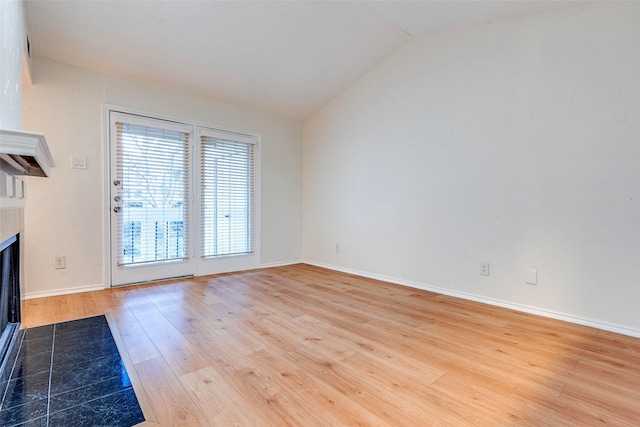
(59, 262)
(484, 268)
(531, 276)
(79, 162)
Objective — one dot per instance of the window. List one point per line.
(152, 169)
(227, 185)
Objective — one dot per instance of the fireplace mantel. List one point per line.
(25, 153)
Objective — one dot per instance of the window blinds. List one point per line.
(227, 183)
(152, 170)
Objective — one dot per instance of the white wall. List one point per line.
(516, 143)
(64, 213)
(12, 39)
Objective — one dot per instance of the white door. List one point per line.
(149, 196)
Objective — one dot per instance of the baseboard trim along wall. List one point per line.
(463, 295)
(66, 291)
(281, 263)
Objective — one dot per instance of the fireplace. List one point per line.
(9, 295)
(11, 254)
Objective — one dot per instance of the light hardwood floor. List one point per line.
(305, 346)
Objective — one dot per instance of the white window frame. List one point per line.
(227, 263)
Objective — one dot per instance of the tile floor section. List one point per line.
(69, 374)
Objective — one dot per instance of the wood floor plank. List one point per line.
(302, 345)
(472, 402)
(303, 334)
(181, 356)
(141, 395)
(333, 407)
(222, 353)
(537, 407)
(418, 363)
(170, 400)
(361, 392)
(220, 403)
(276, 405)
(138, 344)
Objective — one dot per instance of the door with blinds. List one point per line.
(149, 199)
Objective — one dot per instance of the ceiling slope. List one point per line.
(284, 58)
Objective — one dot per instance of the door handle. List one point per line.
(116, 209)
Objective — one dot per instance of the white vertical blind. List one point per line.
(152, 170)
(227, 199)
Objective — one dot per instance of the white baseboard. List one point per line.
(505, 304)
(66, 291)
(281, 263)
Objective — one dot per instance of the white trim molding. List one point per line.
(281, 263)
(16, 146)
(66, 291)
(499, 303)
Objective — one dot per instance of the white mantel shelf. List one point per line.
(26, 152)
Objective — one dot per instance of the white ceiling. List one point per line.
(286, 58)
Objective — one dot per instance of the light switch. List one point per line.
(79, 162)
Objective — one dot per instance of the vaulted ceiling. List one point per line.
(287, 58)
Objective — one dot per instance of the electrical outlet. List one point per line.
(59, 262)
(531, 276)
(484, 268)
(337, 248)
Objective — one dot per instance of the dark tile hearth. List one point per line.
(69, 374)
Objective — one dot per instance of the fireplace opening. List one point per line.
(9, 296)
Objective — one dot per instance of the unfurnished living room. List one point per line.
(319, 213)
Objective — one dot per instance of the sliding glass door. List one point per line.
(182, 200)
